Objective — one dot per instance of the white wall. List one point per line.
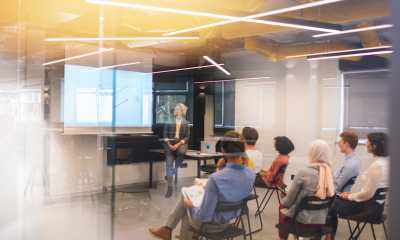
(299, 107)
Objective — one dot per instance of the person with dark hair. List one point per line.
(231, 185)
(251, 137)
(377, 176)
(265, 178)
(176, 137)
(350, 166)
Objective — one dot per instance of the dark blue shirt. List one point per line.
(230, 185)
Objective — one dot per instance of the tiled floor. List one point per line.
(81, 219)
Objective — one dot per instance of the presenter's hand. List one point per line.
(221, 164)
(345, 195)
(187, 203)
(171, 147)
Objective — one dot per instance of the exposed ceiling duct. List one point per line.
(371, 38)
(279, 53)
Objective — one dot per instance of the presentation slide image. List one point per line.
(90, 98)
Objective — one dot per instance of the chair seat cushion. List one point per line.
(363, 219)
(210, 168)
(229, 232)
(323, 231)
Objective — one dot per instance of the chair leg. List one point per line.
(267, 201)
(248, 221)
(384, 228)
(351, 231)
(373, 231)
(258, 210)
(244, 234)
(359, 233)
(277, 194)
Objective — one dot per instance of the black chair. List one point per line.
(310, 203)
(246, 212)
(273, 187)
(231, 231)
(380, 194)
(350, 182)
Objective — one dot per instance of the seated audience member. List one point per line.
(265, 178)
(251, 137)
(230, 185)
(350, 166)
(314, 180)
(377, 176)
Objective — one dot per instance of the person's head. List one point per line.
(348, 140)
(319, 152)
(378, 144)
(232, 145)
(250, 135)
(283, 145)
(180, 109)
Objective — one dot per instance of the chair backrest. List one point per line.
(314, 203)
(282, 170)
(350, 182)
(380, 194)
(229, 207)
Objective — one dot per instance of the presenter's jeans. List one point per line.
(178, 156)
(179, 213)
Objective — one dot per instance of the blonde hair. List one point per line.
(182, 107)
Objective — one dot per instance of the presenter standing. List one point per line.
(176, 135)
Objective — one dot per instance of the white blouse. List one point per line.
(376, 176)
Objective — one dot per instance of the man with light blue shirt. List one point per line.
(350, 166)
(229, 186)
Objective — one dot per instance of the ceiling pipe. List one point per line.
(279, 53)
(371, 38)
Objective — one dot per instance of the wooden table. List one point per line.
(190, 155)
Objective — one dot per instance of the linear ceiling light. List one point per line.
(329, 79)
(349, 55)
(354, 30)
(84, 55)
(161, 9)
(227, 80)
(260, 82)
(342, 51)
(119, 38)
(125, 64)
(250, 18)
(217, 65)
(180, 69)
(334, 86)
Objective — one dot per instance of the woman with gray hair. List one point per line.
(176, 135)
(314, 180)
